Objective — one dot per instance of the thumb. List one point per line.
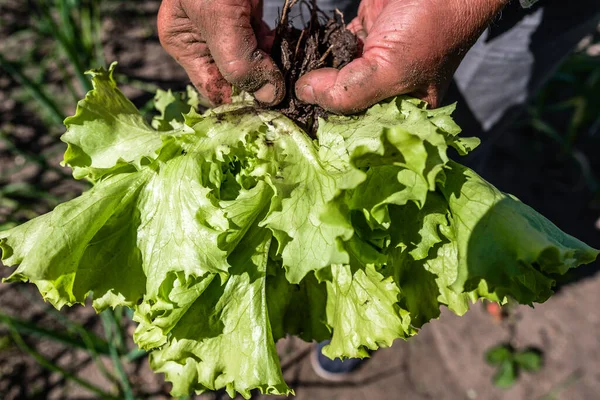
(357, 86)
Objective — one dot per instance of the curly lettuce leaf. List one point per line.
(504, 242)
(83, 246)
(225, 339)
(228, 230)
(121, 135)
(353, 298)
(172, 108)
(304, 185)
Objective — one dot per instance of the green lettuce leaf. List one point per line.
(225, 339)
(504, 242)
(227, 230)
(353, 298)
(121, 135)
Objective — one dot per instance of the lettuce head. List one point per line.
(227, 230)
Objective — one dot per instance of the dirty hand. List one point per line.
(410, 47)
(222, 43)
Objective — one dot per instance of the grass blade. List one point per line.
(18, 339)
(87, 337)
(135, 354)
(68, 47)
(34, 90)
(96, 33)
(30, 157)
(21, 326)
(110, 328)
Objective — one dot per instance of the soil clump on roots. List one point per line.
(323, 42)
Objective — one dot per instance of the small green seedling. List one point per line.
(510, 362)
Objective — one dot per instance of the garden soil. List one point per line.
(323, 43)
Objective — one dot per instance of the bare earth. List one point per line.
(446, 359)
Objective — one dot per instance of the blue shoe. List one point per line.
(333, 370)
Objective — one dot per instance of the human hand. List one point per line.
(220, 43)
(410, 47)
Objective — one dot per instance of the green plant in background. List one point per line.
(576, 87)
(510, 362)
(74, 26)
(67, 33)
(73, 29)
(74, 336)
(567, 111)
(61, 37)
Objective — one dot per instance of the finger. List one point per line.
(434, 94)
(357, 86)
(227, 29)
(206, 77)
(182, 41)
(355, 26)
(360, 84)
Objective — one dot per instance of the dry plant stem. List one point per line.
(323, 42)
(324, 56)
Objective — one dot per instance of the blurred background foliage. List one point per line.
(46, 48)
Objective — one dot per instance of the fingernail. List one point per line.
(306, 94)
(361, 34)
(266, 94)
